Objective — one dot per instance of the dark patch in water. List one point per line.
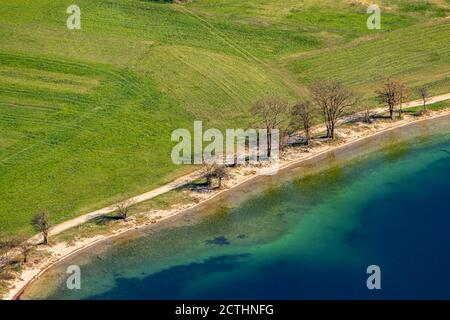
(168, 283)
(242, 236)
(220, 241)
(354, 237)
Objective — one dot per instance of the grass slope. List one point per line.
(86, 115)
(417, 55)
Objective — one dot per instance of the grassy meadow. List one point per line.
(86, 115)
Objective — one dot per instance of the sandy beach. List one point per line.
(349, 133)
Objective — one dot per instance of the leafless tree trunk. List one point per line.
(41, 221)
(5, 246)
(123, 208)
(424, 95)
(214, 170)
(302, 113)
(208, 172)
(367, 115)
(272, 113)
(221, 173)
(333, 98)
(403, 95)
(392, 93)
(25, 248)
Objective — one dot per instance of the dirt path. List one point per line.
(411, 104)
(195, 175)
(137, 199)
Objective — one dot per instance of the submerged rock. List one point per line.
(220, 241)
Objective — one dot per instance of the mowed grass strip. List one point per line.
(419, 54)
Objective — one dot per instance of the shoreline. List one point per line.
(192, 176)
(59, 252)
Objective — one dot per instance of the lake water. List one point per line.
(307, 233)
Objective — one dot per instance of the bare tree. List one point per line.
(367, 115)
(25, 249)
(207, 172)
(5, 246)
(392, 92)
(220, 173)
(272, 113)
(302, 116)
(214, 170)
(424, 95)
(123, 208)
(333, 98)
(23, 245)
(284, 134)
(41, 221)
(403, 92)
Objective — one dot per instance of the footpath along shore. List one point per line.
(350, 134)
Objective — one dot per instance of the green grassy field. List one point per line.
(86, 115)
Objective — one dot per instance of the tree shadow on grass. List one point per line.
(380, 116)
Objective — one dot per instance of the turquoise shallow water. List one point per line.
(308, 233)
